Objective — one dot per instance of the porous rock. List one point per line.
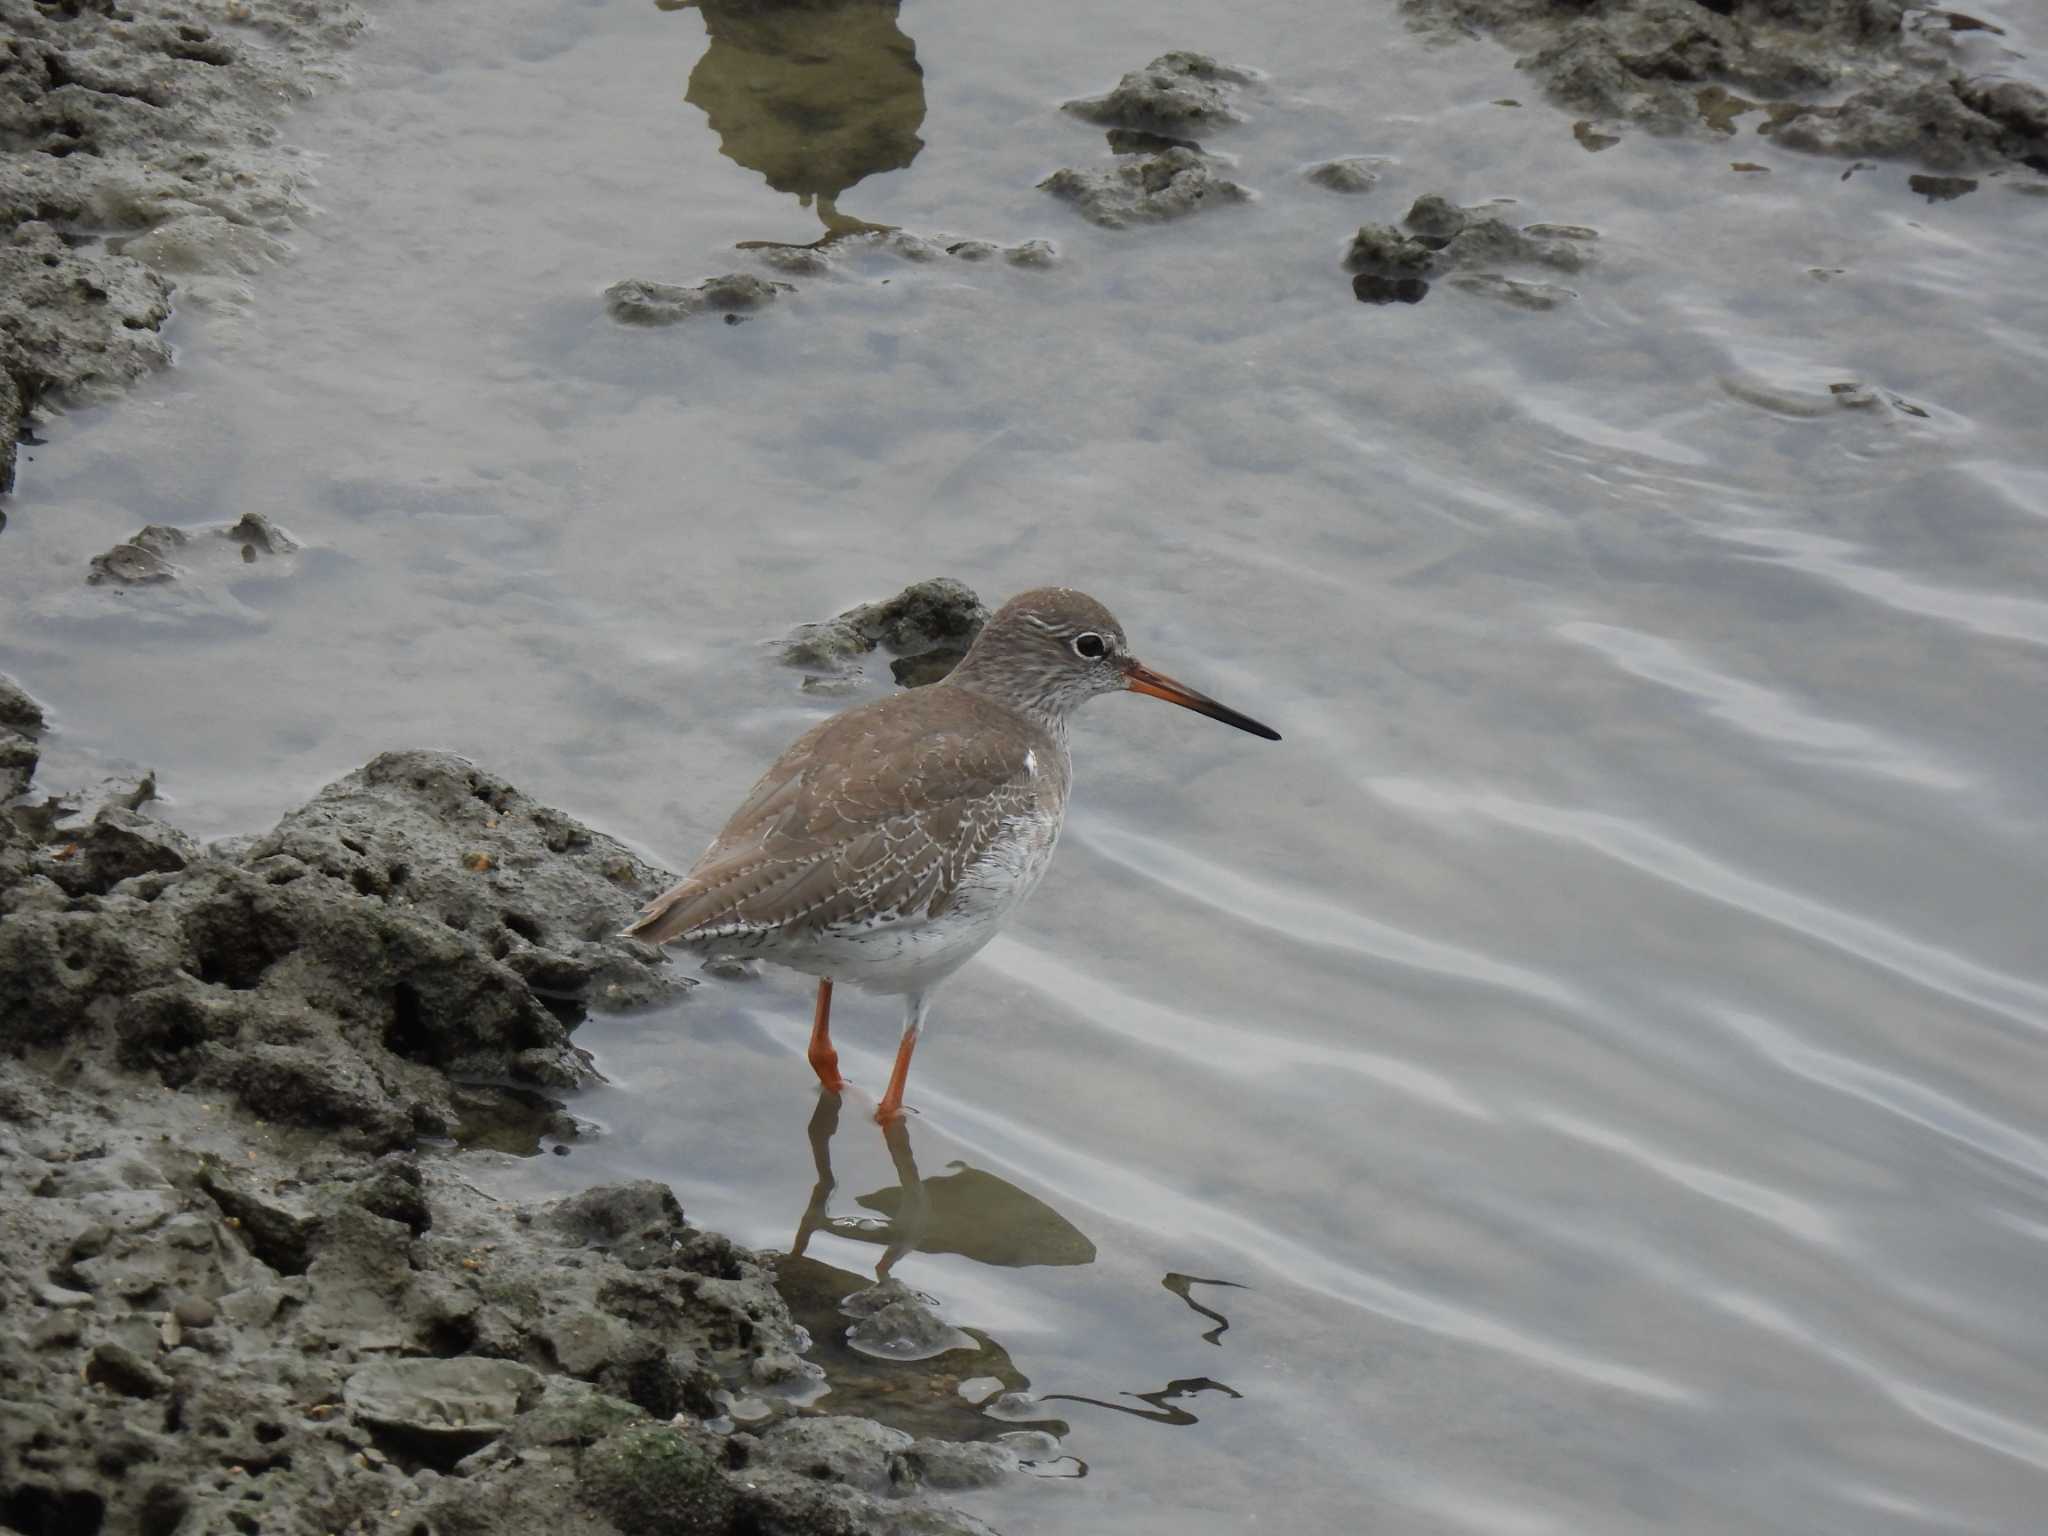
(1175, 93)
(419, 916)
(1169, 185)
(1842, 77)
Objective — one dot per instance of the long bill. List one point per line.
(1142, 679)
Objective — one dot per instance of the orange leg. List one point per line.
(825, 1060)
(891, 1107)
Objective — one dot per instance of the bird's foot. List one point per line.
(826, 1065)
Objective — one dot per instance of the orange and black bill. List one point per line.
(1142, 679)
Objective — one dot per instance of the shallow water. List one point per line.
(1605, 1041)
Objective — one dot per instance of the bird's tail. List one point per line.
(666, 917)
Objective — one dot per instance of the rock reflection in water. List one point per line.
(814, 95)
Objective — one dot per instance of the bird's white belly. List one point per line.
(912, 952)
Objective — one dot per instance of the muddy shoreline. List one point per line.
(248, 1281)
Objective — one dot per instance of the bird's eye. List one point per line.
(1091, 646)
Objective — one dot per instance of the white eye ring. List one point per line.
(1091, 646)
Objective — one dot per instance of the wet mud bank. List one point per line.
(248, 1282)
(140, 168)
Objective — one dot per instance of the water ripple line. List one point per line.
(1206, 1042)
(1273, 910)
(1900, 1096)
(1759, 711)
(1833, 560)
(1797, 1217)
(1627, 842)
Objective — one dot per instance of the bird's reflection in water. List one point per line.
(813, 95)
(978, 1216)
(965, 1211)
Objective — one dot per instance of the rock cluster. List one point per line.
(417, 918)
(1437, 238)
(244, 1289)
(1865, 78)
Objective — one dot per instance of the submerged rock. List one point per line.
(1168, 185)
(163, 552)
(893, 1322)
(825, 257)
(1176, 92)
(1350, 174)
(636, 301)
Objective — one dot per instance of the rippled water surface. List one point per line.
(1595, 1065)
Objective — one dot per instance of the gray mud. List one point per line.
(247, 1283)
(1878, 79)
(142, 166)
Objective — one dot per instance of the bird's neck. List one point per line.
(1047, 712)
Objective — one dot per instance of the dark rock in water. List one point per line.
(1942, 189)
(1175, 92)
(927, 627)
(636, 301)
(1441, 238)
(1381, 250)
(1371, 288)
(1169, 185)
(1822, 76)
(256, 531)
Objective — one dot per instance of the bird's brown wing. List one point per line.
(880, 810)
